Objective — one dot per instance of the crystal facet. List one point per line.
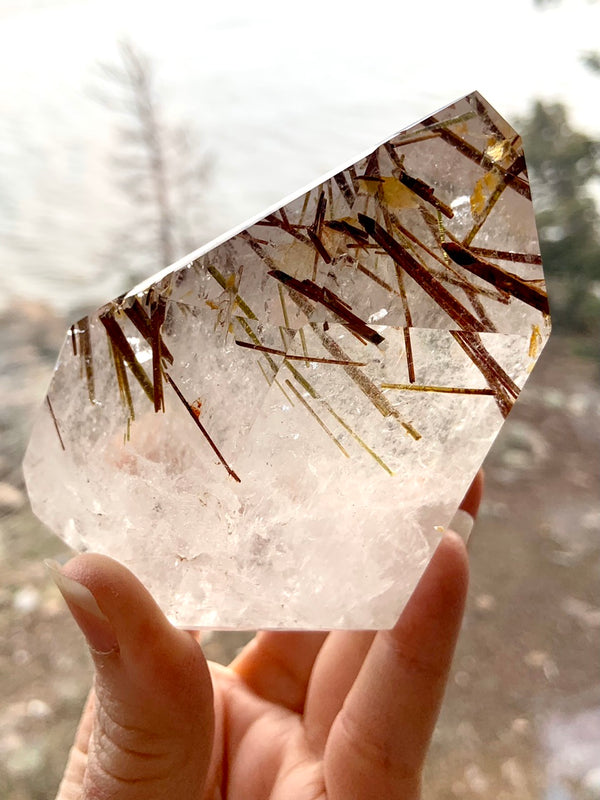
(273, 432)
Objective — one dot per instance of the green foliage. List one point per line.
(562, 165)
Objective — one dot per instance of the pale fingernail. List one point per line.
(462, 523)
(85, 610)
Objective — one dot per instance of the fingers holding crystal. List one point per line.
(378, 741)
(152, 721)
(464, 519)
(277, 665)
(472, 499)
(336, 667)
(342, 655)
(70, 786)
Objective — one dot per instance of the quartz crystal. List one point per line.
(274, 431)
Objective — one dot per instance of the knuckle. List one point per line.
(377, 758)
(364, 745)
(414, 662)
(128, 753)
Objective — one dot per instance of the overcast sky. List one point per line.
(281, 91)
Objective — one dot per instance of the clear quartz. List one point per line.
(273, 432)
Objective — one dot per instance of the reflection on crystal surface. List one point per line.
(273, 432)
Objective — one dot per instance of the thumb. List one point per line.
(151, 719)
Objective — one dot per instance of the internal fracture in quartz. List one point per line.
(273, 432)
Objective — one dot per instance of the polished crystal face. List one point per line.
(274, 432)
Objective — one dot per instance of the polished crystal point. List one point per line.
(274, 432)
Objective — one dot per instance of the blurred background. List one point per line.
(132, 132)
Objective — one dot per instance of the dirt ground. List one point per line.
(522, 715)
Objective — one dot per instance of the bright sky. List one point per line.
(281, 91)
(508, 49)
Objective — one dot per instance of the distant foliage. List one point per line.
(563, 164)
(592, 61)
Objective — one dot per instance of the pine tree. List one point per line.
(562, 164)
(159, 165)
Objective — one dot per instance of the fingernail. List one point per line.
(462, 523)
(85, 610)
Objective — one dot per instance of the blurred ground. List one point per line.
(522, 717)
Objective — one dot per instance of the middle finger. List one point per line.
(336, 667)
(277, 665)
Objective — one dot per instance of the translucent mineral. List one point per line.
(275, 431)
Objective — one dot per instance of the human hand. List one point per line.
(297, 716)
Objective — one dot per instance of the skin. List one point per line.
(297, 716)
